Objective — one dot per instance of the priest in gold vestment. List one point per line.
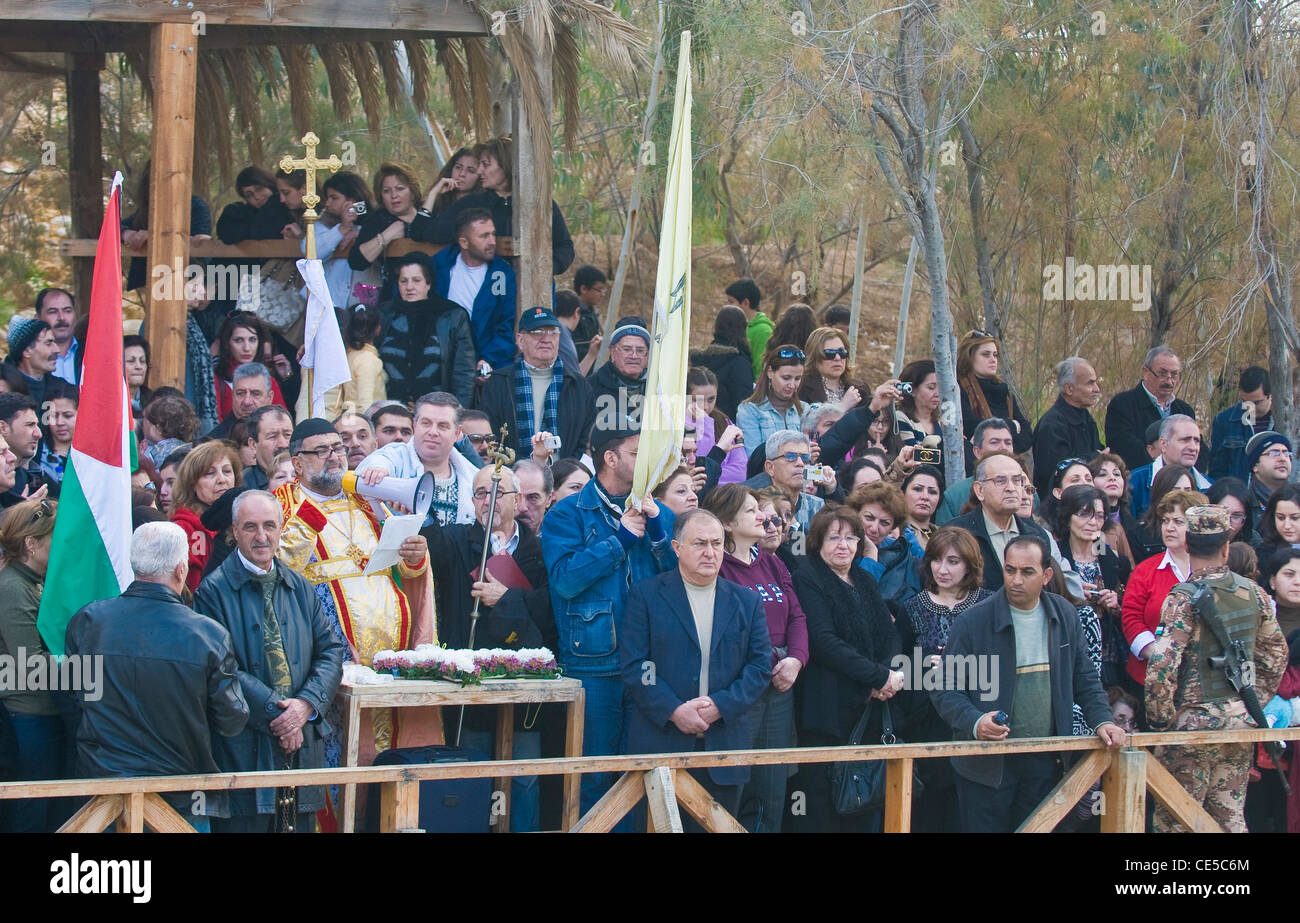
(328, 538)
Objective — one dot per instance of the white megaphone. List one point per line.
(416, 494)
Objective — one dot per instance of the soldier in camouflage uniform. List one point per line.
(1185, 692)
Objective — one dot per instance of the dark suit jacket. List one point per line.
(1128, 415)
(986, 630)
(973, 522)
(658, 629)
(1063, 432)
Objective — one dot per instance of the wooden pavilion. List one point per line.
(188, 48)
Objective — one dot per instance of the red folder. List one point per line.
(503, 567)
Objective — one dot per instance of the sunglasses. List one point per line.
(835, 353)
(797, 456)
(791, 352)
(45, 509)
(773, 522)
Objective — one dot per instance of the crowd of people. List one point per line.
(785, 586)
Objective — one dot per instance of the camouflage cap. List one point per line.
(1209, 521)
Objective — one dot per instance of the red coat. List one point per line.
(200, 540)
(1144, 597)
(226, 396)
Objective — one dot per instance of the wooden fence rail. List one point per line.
(1126, 774)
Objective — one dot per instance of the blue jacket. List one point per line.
(1228, 438)
(590, 573)
(1139, 483)
(493, 317)
(660, 642)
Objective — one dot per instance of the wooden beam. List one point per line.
(85, 163)
(161, 817)
(131, 820)
(573, 747)
(453, 17)
(173, 67)
(505, 748)
(661, 798)
(613, 805)
(898, 796)
(697, 801)
(94, 815)
(1170, 793)
(1124, 790)
(1062, 799)
(531, 199)
(399, 807)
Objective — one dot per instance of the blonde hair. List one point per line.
(29, 519)
(817, 341)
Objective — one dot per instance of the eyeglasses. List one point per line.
(1278, 453)
(796, 457)
(540, 332)
(1165, 374)
(849, 539)
(635, 351)
(1237, 518)
(1002, 481)
(835, 353)
(482, 494)
(325, 451)
(790, 352)
(1089, 515)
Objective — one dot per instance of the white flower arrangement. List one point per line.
(467, 667)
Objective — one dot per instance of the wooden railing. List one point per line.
(1126, 774)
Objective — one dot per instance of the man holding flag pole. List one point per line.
(612, 534)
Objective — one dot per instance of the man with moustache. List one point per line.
(33, 356)
(1068, 430)
(290, 663)
(358, 437)
(1129, 413)
(57, 308)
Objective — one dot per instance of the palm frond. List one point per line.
(417, 58)
(366, 73)
(336, 71)
(391, 68)
(297, 70)
(459, 83)
(480, 84)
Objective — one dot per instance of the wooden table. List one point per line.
(503, 693)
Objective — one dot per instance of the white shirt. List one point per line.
(251, 567)
(508, 546)
(1145, 637)
(465, 283)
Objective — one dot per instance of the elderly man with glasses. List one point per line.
(619, 384)
(787, 452)
(1129, 413)
(538, 396)
(1180, 444)
(1000, 485)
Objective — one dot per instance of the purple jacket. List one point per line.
(768, 577)
(733, 466)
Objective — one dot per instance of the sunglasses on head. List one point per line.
(1069, 463)
(981, 333)
(835, 353)
(790, 352)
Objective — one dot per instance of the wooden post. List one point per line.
(131, 819)
(505, 750)
(661, 800)
(85, 162)
(1124, 792)
(399, 807)
(573, 747)
(531, 186)
(898, 794)
(173, 66)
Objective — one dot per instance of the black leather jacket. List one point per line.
(167, 684)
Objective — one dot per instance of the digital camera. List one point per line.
(903, 387)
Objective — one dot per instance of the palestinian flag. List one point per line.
(90, 551)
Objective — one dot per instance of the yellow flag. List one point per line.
(663, 412)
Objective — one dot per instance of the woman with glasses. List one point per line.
(1080, 515)
(922, 491)
(852, 642)
(918, 412)
(985, 395)
(1110, 476)
(25, 533)
(775, 404)
(208, 471)
(891, 559)
(1145, 536)
(827, 378)
(1234, 496)
(780, 525)
(746, 563)
(1279, 525)
(1152, 579)
(427, 344)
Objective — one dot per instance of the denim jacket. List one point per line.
(590, 573)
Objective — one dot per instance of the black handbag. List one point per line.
(859, 787)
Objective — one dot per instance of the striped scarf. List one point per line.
(201, 369)
(524, 405)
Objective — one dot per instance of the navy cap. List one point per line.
(534, 318)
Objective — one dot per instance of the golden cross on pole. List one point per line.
(311, 163)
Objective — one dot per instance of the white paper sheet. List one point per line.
(397, 529)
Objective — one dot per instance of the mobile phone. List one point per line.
(1002, 718)
(553, 443)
